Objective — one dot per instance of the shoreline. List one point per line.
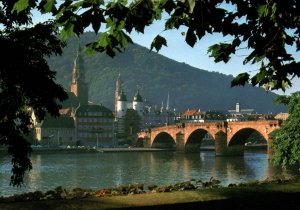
(38, 150)
(268, 194)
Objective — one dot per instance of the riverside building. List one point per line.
(81, 122)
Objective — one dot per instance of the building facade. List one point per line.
(56, 131)
(94, 126)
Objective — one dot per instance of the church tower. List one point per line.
(121, 105)
(138, 103)
(120, 115)
(78, 86)
(117, 93)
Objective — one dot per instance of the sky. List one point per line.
(197, 56)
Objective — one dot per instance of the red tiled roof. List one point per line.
(190, 112)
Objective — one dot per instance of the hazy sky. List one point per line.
(197, 56)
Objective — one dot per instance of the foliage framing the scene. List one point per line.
(265, 28)
(286, 140)
(26, 82)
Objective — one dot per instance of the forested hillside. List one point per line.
(157, 75)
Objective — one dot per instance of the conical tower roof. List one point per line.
(122, 96)
(138, 97)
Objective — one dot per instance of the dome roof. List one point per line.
(138, 97)
(122, 96)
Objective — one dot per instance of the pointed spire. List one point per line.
(122, 96)
(78, 69)
(138, 97)
(78, 86)
(168, 100)
(117, 91)
(76, 58)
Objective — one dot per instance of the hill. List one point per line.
(157, 76)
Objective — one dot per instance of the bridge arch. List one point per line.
(163, 140)
(242, 135)
(236, 143)
(194, 140)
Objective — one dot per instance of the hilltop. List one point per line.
(157, 76)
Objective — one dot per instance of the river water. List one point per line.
(108, 170)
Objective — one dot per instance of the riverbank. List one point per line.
(133, 149)
(270, 194)
(38, 150)
(94, 150)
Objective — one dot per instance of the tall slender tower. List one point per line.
(121, 112)
(168, 101)
(78, 86)
(237, 107)
(121, 105)
(117, 93)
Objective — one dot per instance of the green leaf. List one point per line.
(236, 42)
(240, 79)
(261, 77)
(67, 31)
(104, 40)
(20, 5)
(221, 52)
(261, 10)
(191, 38)
(158, 42)
(49, 6)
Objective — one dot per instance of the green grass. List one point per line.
(255, 195)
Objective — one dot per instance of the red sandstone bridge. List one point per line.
(229, 137)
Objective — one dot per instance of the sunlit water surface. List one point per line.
(108, 170)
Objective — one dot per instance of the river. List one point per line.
(108, 170)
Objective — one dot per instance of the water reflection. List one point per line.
(91, 170)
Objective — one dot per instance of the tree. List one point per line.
(266, 28)
(26, 82)
(286, 140)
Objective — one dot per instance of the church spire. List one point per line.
(138, 97)
(78, 74)
(78, 86)
(117, 91)
(168, 101)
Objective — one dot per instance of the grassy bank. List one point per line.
(256, 195)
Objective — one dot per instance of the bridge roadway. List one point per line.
(229, 137)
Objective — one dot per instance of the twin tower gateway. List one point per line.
(121, 108)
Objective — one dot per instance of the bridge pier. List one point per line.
(221, 144)
(180, 147)
(147, 142)
(221, 148)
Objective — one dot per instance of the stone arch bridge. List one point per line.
(229, 137)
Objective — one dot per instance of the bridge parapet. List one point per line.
(164, 128)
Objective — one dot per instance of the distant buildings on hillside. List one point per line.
(137, 114)
(83, 123)
(238, 114)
